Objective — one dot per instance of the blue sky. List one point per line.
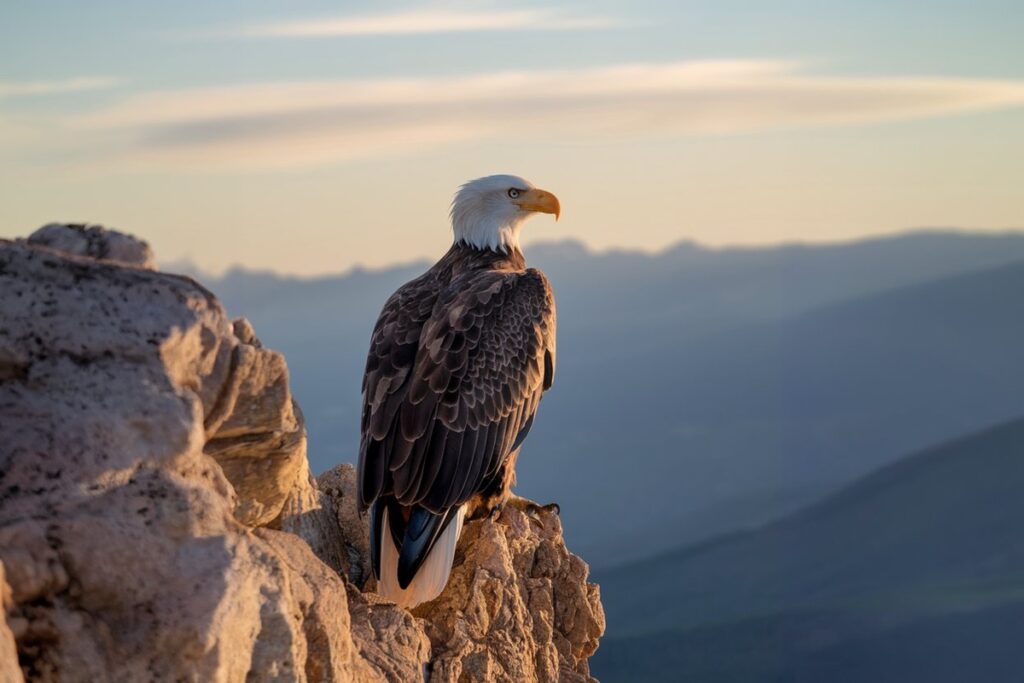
(307, 137)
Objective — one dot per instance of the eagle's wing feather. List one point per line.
(393, 348)
(446, 421)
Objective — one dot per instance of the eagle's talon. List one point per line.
(531, 509)
(534, 510)
(495, 512)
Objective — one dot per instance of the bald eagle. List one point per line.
(458, 361)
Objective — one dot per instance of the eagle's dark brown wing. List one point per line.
(448, 390)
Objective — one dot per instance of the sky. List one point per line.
(311, 137)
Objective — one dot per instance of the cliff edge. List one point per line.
(158, 520)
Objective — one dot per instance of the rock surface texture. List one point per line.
(158, 520)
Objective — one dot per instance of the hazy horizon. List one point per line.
(190, 265)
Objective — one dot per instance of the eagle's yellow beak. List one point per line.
(539, 200)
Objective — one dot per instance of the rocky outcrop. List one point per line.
(517, 606)
(158, 520)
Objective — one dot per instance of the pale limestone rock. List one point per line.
(309, 514)
(95, 241)
(123, 555)
(389, 639)
(74, 320)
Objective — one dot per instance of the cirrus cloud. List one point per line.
(422, 20)
(300, 124)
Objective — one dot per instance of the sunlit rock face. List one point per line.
(517, 607)
(158, 520)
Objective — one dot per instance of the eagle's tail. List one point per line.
(413, 550)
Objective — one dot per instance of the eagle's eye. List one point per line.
(513, 193)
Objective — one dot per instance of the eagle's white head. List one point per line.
(488, 213)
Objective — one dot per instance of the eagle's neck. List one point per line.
(503, 239)
(463, 257)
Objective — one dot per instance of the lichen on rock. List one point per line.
(158, 520)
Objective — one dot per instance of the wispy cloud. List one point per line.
(326, 122)
(428, 20)
(69, 85)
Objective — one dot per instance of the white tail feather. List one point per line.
(432, 575)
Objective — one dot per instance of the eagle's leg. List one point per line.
(496, 491)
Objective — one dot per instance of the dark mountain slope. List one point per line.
(922, 553)
(978, 644)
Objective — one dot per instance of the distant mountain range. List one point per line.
(703, 390)
(913, 573)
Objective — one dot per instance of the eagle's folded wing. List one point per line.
(443, 411)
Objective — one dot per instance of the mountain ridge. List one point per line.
(574, 247)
